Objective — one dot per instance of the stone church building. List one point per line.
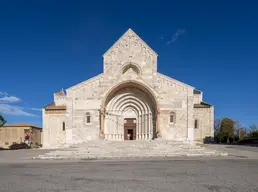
(130, 100)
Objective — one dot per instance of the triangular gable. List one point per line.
(128, 35)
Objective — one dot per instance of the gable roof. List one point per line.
(197, 91)
(130, 32)
(60, 93)
(53, 106)
(202, 105)
(21, 125)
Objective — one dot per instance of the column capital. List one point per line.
(102, 111)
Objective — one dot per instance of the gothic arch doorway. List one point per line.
(132, 103)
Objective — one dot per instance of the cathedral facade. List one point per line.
(130, 100)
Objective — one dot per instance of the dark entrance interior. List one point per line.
(130, 133)
(129, 129)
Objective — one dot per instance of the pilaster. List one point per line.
(190, 119)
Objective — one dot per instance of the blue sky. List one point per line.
(49, 45)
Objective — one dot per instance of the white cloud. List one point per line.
(7, 109)
(10, 99)
(13, 110)
(175, 36)
(36, 109)
(3, 93)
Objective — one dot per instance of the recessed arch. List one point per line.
(129, 96)
(128, 84)
(130, 65)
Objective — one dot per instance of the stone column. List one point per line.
(157, 124)
(145, 126)
(117, 127)
(140, 126)
(101, 135)
(137, 130)
(113, 126)
(150, 126)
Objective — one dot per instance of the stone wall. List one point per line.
(53, 133)
(60, 100)
(205, 117)
(130, 49)
(175, 97)
(83, 99)
(11, 135)
(197, 98)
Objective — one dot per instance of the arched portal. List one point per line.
(126, 104)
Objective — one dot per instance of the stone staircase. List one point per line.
(129, 149)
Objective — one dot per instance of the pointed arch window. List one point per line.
(172, 117)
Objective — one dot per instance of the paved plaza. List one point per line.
(236, 172)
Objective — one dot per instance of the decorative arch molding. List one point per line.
(130, 84)
(133, 95)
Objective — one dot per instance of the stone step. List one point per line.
(129, 149)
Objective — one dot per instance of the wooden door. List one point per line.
(129, 129)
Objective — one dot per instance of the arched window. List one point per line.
(88, 118)
(196, 124)
(63, 126)
(172, 117)
(131, 66)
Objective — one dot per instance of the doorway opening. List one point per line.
(130, 134)
(130, 129)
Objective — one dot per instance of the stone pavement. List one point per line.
(188, 174)
(240, 151)
(236, 172)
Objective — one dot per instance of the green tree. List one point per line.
(242, 132)
(227, 128)
(217, 136)
(2, 121)
(237, 127)
(253, 128)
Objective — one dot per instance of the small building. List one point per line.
(15, 134)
